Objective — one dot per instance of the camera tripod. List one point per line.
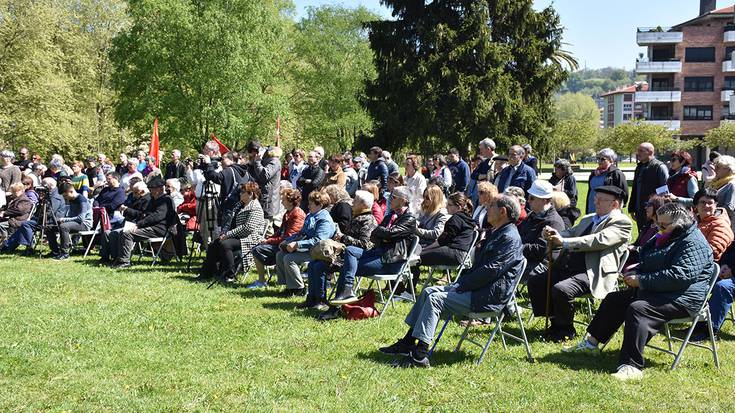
(44, 214)
(208, 206)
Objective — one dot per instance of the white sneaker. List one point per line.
(583, 347)
(627, 372)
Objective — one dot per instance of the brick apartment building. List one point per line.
(690, 70)
(619, 106)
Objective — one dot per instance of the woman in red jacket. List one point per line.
(265, 253)
(713, 222)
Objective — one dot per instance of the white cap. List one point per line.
(541, 189)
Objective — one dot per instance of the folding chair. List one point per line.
(498, 317)
(464, 264)
(162, 240)
(590, 299)
(403, 274)
(702, 315)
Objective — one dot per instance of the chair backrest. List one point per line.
(517, 282)
(413, 246)
(623, 260)
(32, 214)
(712, 281)
(470, 254)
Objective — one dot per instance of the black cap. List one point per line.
(156, 182)
(610, 190)
(500, 158)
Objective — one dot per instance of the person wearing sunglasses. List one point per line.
(683, 181)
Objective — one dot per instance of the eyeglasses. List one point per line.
(600, 159)
(675, 158)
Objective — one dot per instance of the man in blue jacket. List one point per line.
(460, 171)
(377, 170)
(484, 288)
(77, 217)
(516, 173)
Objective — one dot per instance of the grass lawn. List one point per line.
(82, 338)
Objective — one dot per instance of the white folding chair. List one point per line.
(447, 269)
(403, 274)
(162, 240)
(92, 233)
(702, 315)
(510, 306)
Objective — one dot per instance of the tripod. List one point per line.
(208, 206)
(44, 222)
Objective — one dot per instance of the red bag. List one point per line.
(361, 309)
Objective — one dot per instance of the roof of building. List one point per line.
(627, 89)
(719, 14)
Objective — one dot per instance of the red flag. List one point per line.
(278, 131)
(222, 148)
(153, 150)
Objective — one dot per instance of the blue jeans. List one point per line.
(317, 272)
(433, 304)
(361, 262)
(721, 300)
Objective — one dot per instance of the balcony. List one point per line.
(670, 124)
(729, 34)
(727, 119)
(670, 66)
(658, 96)
(728, 66)
(647, 36)
(725, 95)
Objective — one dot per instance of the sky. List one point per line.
(600, 33)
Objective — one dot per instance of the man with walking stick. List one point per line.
(588, 263)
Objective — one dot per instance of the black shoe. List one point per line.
(399, 348)
(28, 252)
(52, 254)
(103, 261)
(410, 361)
(121, 265)
(701, 334)
(61, 257)
(293, 292)
(344, 298)
(331, 314)
(308, 303)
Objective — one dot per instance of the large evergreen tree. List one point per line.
(451, 72)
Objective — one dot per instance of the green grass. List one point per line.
(81, 338)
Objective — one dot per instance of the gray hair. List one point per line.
(174, 183)
(176, 152)
(488, 143)
(518, 150)
(680, 216)
(609, 154)
(565, 165)
(511, 206)
(402, 192)
(386, 155)
(517, 192)
(7, 154)
(141, 186)
(56, 163)
(49, 183)
(365, 197)
(726, 161)
(336, 193)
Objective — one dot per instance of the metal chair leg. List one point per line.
(684, 344)
(712, 340)
(492, 336)
(523, 333)
(441, 333)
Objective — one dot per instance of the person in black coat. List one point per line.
(228, 178)
(265, 170)
(485, 287)
(563, 180)
(311, 179)
(456, 239)
(606, 174)
(153, 222)
(341, 209)
(531, 229)
(175, 168)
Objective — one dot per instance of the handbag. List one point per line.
(327, 250)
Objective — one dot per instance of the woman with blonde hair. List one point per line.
(564, 208)
(377, 211)
(415, 181)
(433, 215)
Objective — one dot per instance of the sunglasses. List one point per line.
(600, 159)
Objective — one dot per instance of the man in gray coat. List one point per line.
(265, 169)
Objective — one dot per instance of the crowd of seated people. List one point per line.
(319, 224)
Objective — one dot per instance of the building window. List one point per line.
(699, 84)
(627, 107)
(700, 54)
(611, 117)
(697, 112)
(610, 100)
(661, 84)
(729, 83)
(627, 116)
(628, 97)
(728, 53)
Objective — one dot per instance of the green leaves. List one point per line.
(577, 124)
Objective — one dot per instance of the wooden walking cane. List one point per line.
(548, 285)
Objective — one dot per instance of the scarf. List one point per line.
(662, 238)
(719, 183)
(601, 170)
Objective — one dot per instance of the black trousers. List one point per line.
(439, 255)
(643, 318)
(565, 288)
(221, 257)
(64, 230)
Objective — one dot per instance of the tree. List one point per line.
(577, 124)
(332, 62)
(625, 138)
(202, 67)
(453, 72)
(721, 136)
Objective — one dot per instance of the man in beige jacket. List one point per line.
(588, 263)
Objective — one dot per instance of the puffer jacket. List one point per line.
(678, 271)
(359, 230)
(496, 267)
(395, 239)
(717, 231)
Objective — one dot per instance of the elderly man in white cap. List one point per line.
(531, 229)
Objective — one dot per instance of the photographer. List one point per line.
(78, 217)
(227, 176)
(265, 170)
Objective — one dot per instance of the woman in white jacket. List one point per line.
(415, 182)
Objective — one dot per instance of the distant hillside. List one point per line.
(594, 82)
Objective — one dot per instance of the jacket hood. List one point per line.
(466, 218)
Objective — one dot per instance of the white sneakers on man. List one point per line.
(627, 372)
(583, 347)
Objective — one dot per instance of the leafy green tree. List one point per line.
(453, 72)
(331, 63)
(577, 124)
(625, 138)
(202, 67)
(721, 136)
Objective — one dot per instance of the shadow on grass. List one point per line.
(439, 358)
(258, 293)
